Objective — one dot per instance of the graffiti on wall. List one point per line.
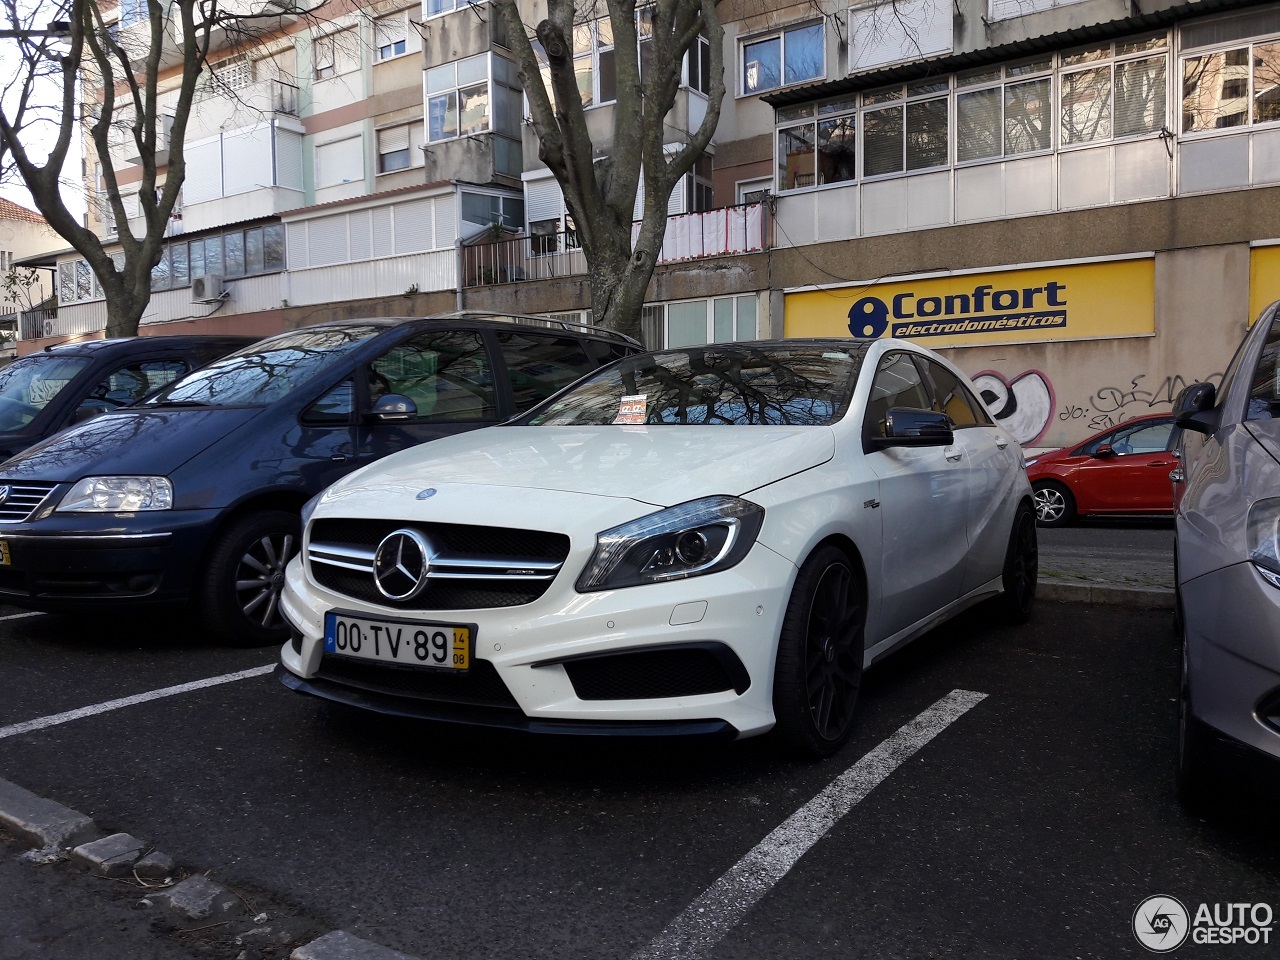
(1023, 405)
(1111, 406)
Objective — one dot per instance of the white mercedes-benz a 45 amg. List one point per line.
(712, 540)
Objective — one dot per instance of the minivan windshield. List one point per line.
(267, 371)
(738, 384)
(28, 384)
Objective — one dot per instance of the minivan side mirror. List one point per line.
(908, 427)
(392, 406)
(1195, 409)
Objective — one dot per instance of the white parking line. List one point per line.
(52, 721)
(705, 922)
(19, 616)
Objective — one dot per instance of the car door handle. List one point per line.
(1002, 442)
(953, 453)
(1162, 463)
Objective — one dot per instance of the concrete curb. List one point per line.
(57, 830)
(1131, 597)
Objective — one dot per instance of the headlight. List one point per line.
(1264, 538)
(118, 495)
(688, 540)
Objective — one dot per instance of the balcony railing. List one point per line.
(694, 236)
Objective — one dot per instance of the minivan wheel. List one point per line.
(819, 667)
(1055, 506)
(245, 577)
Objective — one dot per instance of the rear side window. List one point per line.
(131, 383)
(445, 373)
(539, 365)
(951, 397)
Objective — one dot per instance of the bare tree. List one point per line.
(600, 193)
(107, 82)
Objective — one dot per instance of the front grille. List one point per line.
(23, 498)
(479, 686)
(652, 674)
(471, 566)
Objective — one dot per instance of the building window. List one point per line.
(339, 162)
(780, 59)
(390, 36)
(698, 63)
(1117, 93)
(821, 150)
(434, 8)
(698, 186)
(1231, 88)
(905, 128)
(695, 322)
(335, 54)
(234, 253)
(458, 98)
(487, 210)
(1003, 111)
(77, 283)
(400, 147)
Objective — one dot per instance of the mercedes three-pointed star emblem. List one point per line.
(401, 564)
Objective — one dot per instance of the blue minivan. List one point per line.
(194, 496)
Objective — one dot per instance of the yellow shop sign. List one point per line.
(1075, 301)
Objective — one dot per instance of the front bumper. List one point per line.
(1232, 620)
(549, 666)
(73, 561)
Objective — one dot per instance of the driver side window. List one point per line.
(897, 383)
(446, 374)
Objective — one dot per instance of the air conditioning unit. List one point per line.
(206, 289)
(49, 330)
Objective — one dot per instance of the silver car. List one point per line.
(1228, 560)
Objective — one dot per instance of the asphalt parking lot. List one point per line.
(1007, 794)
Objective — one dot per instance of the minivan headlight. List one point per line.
(118, 495)
(687, 540)
(1263, 538)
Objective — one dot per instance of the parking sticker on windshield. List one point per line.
(632, 409)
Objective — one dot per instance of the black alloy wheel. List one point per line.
(1021, 570)
(820, 651)
(245, 577)
(1055, 506)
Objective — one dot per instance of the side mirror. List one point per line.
(392, 406)
(1103, 451)
(907, 427)
(1195, 409)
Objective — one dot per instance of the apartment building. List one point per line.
(1076, 200)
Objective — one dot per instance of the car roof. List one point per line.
(490, 319)
(96, 348)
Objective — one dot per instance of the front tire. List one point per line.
(245, 577)
(1055, 506)
(819, 668)
(1021, 570)
(1194, 765)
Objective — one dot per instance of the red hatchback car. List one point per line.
(1123, 470)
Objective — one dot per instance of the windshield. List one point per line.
(771, 384)
(27, 385)
(265, 372)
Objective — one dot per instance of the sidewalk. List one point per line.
(1080, 574)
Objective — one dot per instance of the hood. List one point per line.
(140, 441)
(659, 465)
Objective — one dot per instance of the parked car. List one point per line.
(709, 541)
(1227, 561)
(1121, 470)
(194, 495)
(61, 385)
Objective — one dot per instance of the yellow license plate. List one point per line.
(412, 643)
(5, 558)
